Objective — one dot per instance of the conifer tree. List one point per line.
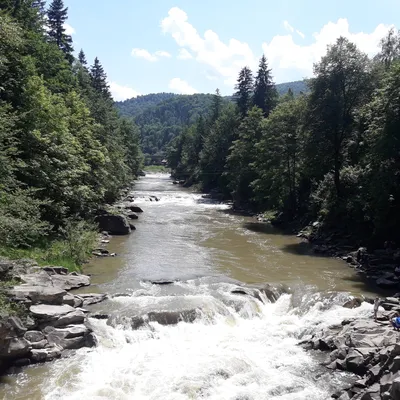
(99, 78)
(216, 106)
(57, 15)
(82, 58)
(265, 94)
(244, 91)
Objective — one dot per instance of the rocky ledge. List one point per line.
(364, 347)
(51, 319)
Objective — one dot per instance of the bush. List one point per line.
(20, 219)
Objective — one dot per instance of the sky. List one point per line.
(197, 46)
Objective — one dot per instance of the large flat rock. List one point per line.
(65, 282)
(45, 311)
(39, 294)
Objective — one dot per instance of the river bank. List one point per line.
(201, 303)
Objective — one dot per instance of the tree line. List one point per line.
(63, 148)
(331, 155)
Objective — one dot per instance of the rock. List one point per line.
(49, 312)
(39, 294)
(56, 270)
(395, 389)
(162, 282)
(34, 336)
(133, 227)
(71, 337)
(74, 317)
(49, 354)
(132, 216)
(115, 224)
(92, 298)
(16, 347)
(353, 303)
(65, 282)
(355, 363)
(100, 316)
(40, 345)
(395, 366)
(387, 381)
(135, 209)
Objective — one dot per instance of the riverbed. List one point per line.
(237, 347)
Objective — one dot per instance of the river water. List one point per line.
(236, 347)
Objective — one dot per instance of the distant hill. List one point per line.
(296, 86)
(162, 116)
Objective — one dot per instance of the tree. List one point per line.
(390, 48)
(56, 17)
(241, 170)
(340, 87)
(82, 58)
(278, 155)
(99, 79)
(216, 106)
(244, 91)
(265, 94)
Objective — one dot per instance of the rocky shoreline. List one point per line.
(51, 320)
(42, 319)
(364, 347)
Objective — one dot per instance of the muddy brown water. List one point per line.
(187, 238)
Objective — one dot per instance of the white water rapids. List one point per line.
(237, 348)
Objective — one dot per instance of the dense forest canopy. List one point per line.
(64, 150)
(330, 154)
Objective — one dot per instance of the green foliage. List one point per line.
(63, 148)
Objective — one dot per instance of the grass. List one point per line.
(79, 239)
(156, 168)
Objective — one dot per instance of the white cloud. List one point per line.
(143, 53)
(287, 26)
(292, 61)
(184, 54)
(162, 53)
(69, 30)
(226, 58)
(121, 93)
(181, 86)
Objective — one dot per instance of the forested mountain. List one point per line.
(162, 116)
(329, 155)
(297, 87)
(63, 148)
(135, 106)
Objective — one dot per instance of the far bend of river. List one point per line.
(237, 347)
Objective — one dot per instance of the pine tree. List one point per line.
(265, 94)
(57, 15)
(82, 58)
(216, 106)
(99, 78)
(244, 91)
(40, 5)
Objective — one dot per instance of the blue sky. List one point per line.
(189, 46)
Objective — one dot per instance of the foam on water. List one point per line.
(246, 353)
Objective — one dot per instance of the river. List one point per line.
(237, 348)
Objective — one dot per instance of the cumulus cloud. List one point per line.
(181, 86)
(301, 34)
(121, 93)
(226, 58)
(290, 60)
(184, 54)
(143, 53)
(69, 30)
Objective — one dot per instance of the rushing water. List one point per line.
(237, 348)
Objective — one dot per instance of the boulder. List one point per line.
(56, 270)
(49, 312)
(74, 317)
(71, 337)
(34, 336)
(114, 224)
(353, 303)
(39, 294)
(16, 347)
(92, 298)
(65, 282)
(395, 389)
(132, 216)
(135, 209)
(48, 354)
